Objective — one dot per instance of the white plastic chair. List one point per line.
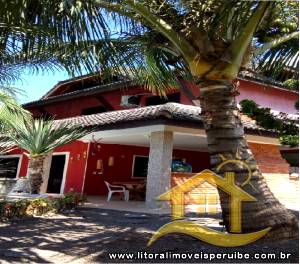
(119, 189)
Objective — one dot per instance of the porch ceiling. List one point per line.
(183, 138)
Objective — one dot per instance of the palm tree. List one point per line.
(39, 138)
(160, 42)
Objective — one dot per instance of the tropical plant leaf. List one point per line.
(39, 137)
(146, 40)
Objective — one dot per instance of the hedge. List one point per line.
(39, 206)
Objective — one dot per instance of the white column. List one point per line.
(159, 167)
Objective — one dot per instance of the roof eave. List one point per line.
(79, 94)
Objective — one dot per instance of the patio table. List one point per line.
(136, 189)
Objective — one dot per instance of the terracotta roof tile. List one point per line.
(171, 111)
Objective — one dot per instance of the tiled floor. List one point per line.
(121, 205)
(138, 206)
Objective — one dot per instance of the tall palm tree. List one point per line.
(39, 138)
(158, 43)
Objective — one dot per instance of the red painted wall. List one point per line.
(92, 183)
(123, 162)
(268, 96)
(73, 107)
(24, 161)
(76, 164)
(70, 108)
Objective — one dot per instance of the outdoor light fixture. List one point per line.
(99, 165)
(111, 161)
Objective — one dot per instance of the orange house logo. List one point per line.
(176, 196)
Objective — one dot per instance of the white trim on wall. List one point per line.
(20, 156)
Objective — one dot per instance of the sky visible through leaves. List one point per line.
(35, 86)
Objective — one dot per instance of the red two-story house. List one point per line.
(138, 134)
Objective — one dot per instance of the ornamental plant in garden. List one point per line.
(39, 206)
(287, 128)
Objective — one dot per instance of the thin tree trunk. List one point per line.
(35, 173)
(225, 136)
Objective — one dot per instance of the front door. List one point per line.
(56, 173)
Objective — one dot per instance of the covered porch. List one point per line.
(117, 151)
(143, 155)
(152, 137)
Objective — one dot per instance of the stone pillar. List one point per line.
(159, 167)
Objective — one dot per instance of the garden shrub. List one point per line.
(39, 206)
(291, 84)
(20, 208)
(290, 140)
(71, 200)
(286, 127)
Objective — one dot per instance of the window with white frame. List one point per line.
(9, 166)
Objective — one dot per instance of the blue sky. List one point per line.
(36, 85)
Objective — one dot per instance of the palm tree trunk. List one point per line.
(46, 172)
(35, 173)
(225, 136)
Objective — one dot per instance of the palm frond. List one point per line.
(9, 109)
(111, 36)
(39, 137)
(141, 58)
(279, 62)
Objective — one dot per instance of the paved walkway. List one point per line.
(90, 234)
(100, 227)
(134, 206)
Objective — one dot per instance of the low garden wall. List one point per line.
(284, 187)
(203, 199)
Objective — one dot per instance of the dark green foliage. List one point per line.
(39, 206)
(287, 128)
(10, 209)
(39, 137)
(291, 140)
(291, 84)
